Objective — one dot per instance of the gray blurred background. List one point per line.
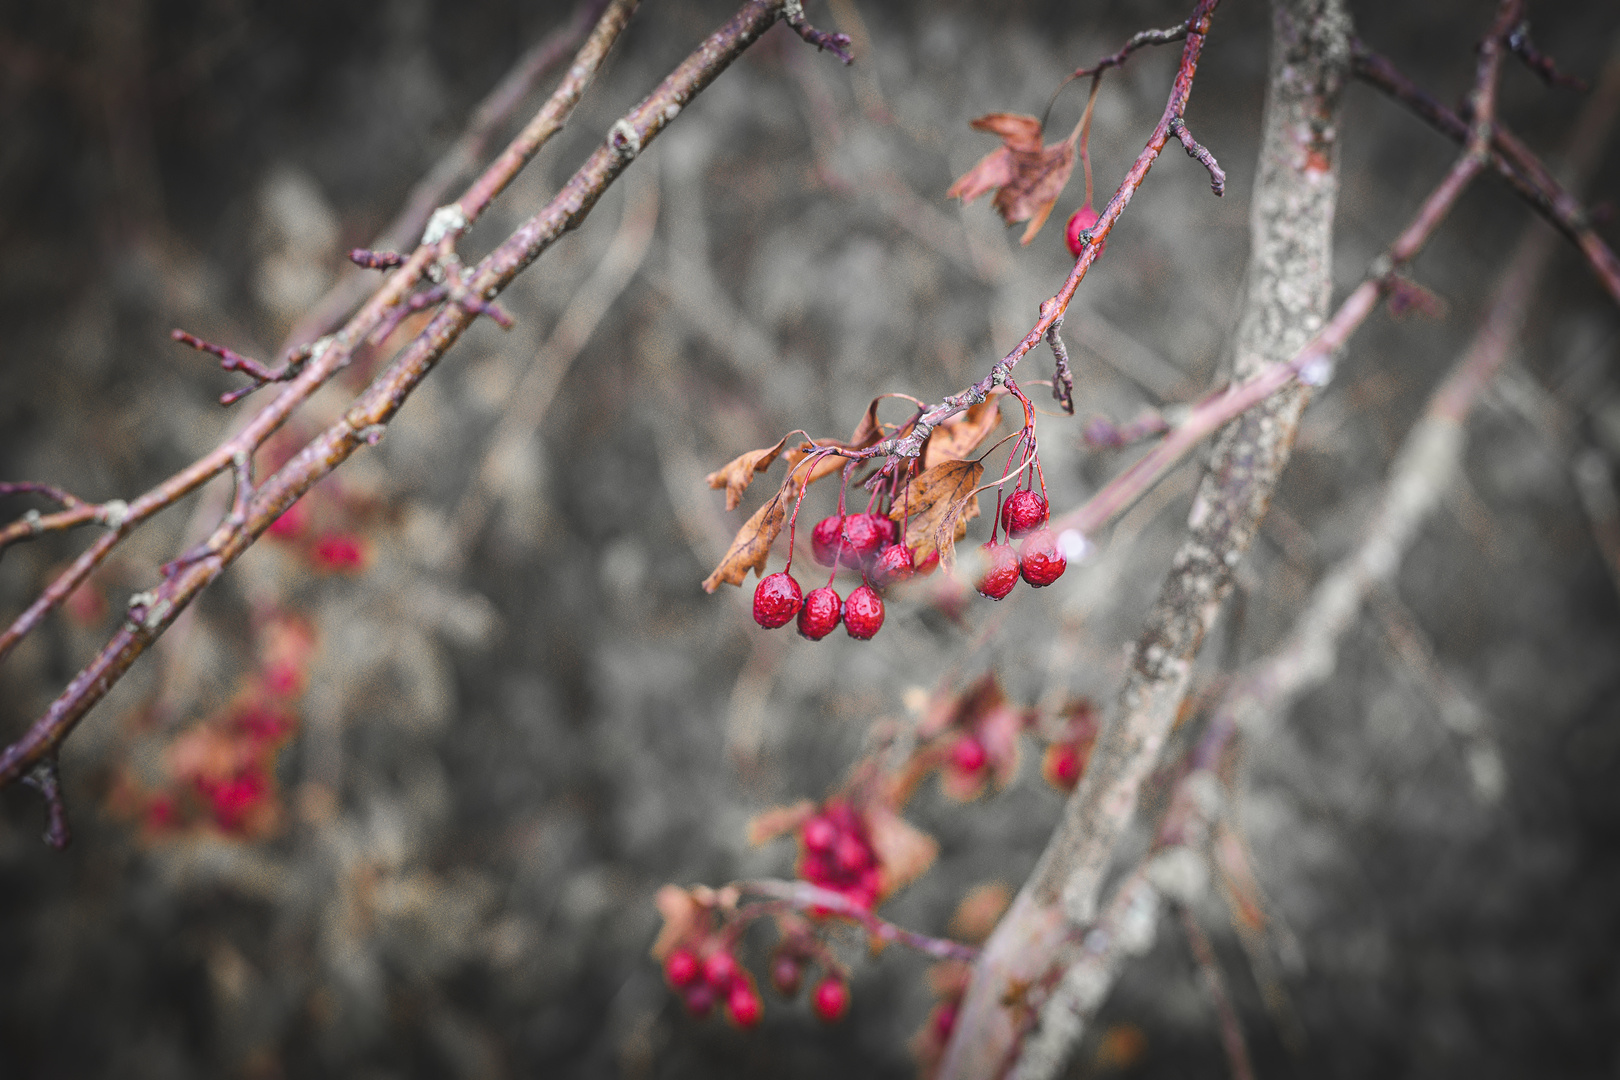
(524, 716)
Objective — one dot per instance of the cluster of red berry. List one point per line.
(868, 543)
(719, 977)
(1038, 560)
(838, 854)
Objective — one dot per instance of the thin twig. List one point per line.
(1510, 157)
(378, 404)
(803, 896)
(1209, 972)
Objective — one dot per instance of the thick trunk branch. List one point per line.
(1288, 295)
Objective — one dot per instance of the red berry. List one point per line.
(1083, 218)
(830, 999)
(927, 566)
(1024, 512)
(968, 755)
(1062, 765)
(895, 565)
(824, 540)
(852, 855)
(786, 973)
(720, 970)
(776, 600)
(339, 552)
(699, 999)
(1041, 562)
(1002, 575)
(681, 968)
(743, 1005)
(820, 614)
(864, 535)
(820, 834)
(863, 613)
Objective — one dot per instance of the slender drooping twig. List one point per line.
(1510, 157)
(1209, 972)
(152, 612)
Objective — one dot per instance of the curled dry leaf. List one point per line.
(682, 915)
(769, 824)
(1026, 176)
(904, 851)
(959, 436)
(941, 502)
(979, 911)
(739, 472)
(752, 544)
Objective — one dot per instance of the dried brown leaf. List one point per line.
(752, 544)
(769, 824)
(1026, 176)
(979, 911)
(739, 472)
(959, 436)
(868, 431)
(681, 914)
(940, 502)
(904, 851)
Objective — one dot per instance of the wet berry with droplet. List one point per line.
(1040, 561)
(820, 614)
(743, 1004)
(1024, 512)
(824, 540)
(682, 968)
(776, 600)
(830, 999)
(1083, 218)
(863, 613)
(968, 755)
(1002, 574)
(895, 565)
(863, 537)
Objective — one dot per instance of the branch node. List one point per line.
(448, 220)
(624, 138)
(35, 522)
(114, 512)
(372, 434)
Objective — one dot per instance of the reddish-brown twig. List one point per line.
(152, 612)
(1510, 157)
(460, 161)
(324, 359)
(1137, 41)
(1209, 972)
(803, 896)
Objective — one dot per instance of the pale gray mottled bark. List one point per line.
(1289, 288)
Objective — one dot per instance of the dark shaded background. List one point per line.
(503, 752)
